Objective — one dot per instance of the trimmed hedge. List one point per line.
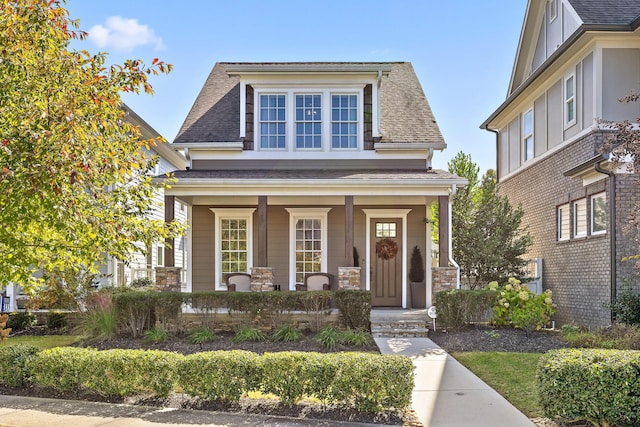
(458, 307)
(355, 308)
(601, 386)
(117, 373)
(14, 364)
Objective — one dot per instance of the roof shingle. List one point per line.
(610, 12)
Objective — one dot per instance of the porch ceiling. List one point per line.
(314, 182)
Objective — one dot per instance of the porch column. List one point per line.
(262, 231)
(443, 230)
(169, 216)
(348, 231)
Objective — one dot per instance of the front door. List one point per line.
(386, 262)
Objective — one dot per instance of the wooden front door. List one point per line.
(386, 262)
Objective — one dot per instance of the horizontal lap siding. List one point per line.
(203, 245)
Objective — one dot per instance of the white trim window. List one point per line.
(344, 121)
(307, 243)
(599, 213)
(570, 101)
(273, 121)
(580, 218)
(160, 255)
(563, 223)
(233, 242)
(553, 10)
(527, 135)
(308, 121)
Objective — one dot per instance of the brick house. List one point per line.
(292, 166)
(575, 59)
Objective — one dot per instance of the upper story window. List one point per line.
(527, 135)
(580, 218)
(309, 119)
(563, 222)
(273, 129)
(570, 101)
(344, 121)
(599, 213)
(553, 10)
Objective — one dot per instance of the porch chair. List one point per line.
(238, 282)
(316, 282)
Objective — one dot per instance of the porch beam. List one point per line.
(443, 231)
(262, 232)
(169, 216)
(348, 231)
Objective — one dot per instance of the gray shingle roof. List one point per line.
(607, 12)
(405, 114)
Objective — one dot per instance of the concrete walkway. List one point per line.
(447, 394)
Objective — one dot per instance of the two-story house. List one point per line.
(293, 165)
(575, 60)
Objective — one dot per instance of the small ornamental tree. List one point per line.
(416, 270)
(75, 182)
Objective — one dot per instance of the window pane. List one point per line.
(308, 121)
(344, 117)
(308, 247)
(272, 121)
(599, 214)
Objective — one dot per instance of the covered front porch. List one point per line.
(359, 227)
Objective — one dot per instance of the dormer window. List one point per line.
(301, 119)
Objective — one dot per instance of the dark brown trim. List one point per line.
(169, 216)
(443, 231)
(348, 231)
(262, 231)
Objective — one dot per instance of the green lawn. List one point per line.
(45, 341)
(513, 375)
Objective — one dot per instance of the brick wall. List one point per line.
(578, 270)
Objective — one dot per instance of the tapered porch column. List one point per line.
(443, 231)
(262, 232)
(348, 231)
(169, 216)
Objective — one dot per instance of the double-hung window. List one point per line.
(273, 121)
(580, 218)
(527, 135)
(563, 222)
(553, 10)
(308, 121)
(233, 242)
(344, 121)
(599, 213)
(570, 101)
(308, 242)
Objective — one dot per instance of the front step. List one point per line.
(400, 328)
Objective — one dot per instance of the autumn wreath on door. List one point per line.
(386, 248)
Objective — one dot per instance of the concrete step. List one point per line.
(400, 324)
(400, 328)
(401, 333)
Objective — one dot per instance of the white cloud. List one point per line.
(123, 34)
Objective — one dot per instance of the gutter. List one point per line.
(612, 236)
(454, 190)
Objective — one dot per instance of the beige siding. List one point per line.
(514, 144)
(555, 118)
(203, 259)
(588, 115)
(278, 244)
(503, 154)
(620, 76)
(540, 126)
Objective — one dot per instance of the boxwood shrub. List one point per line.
(458, 307)
(601, 386)
(355, 308)
(14, 364)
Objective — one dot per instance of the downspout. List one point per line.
(497, 151)
(454, 190)
(612, 236)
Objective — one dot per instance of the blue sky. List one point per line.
(461, 50)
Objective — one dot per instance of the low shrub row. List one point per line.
(601, 386)
(459, 307)
(368, 382)
(355, 308)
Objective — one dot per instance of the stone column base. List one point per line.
(442, 279)
(261, 279)
(168, 279)
(349, 278)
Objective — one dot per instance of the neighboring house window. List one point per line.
(563, 222)
(527, 135)
(553, 10)
(308, 121)
(599, 213)
(160, 255)
(273, 123)
(580, 218)
(308, 242)
(570, 101)
(344, 121)
(233, 245)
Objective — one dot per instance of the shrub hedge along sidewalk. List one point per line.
(366, 382)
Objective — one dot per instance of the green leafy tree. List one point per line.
(487, 242)
(75, 182)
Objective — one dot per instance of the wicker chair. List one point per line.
(238, 282)
(316, 282)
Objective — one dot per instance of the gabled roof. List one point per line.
(609, 12)
(405, 114)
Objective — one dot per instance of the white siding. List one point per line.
(620, 68)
